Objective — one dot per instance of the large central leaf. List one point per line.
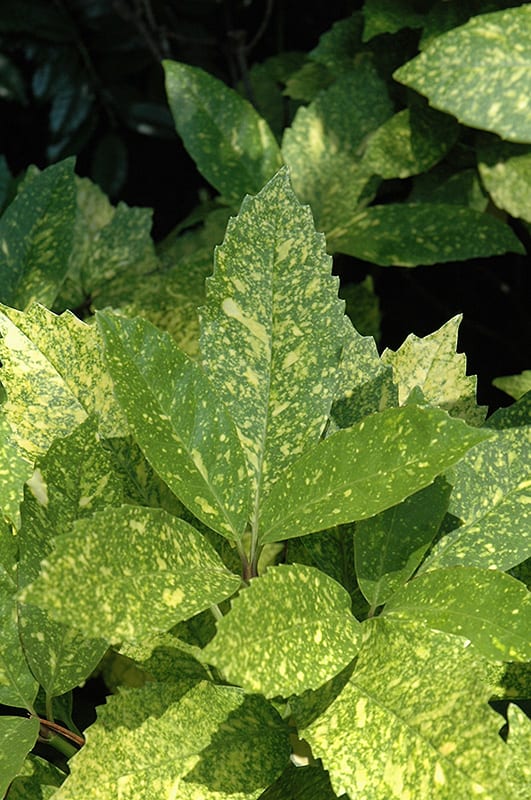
(272, 328)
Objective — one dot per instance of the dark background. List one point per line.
(84, 77)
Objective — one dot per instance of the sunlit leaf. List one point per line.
(505, 170)
(514, 385)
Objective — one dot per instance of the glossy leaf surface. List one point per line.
(468, 71)
(157, 569)
(359, 471)
(307, 633)
(178, 421)
(232, 145)
(270, 327)
(488, 607)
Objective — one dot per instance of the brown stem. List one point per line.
(54, 726)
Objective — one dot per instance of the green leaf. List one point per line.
(73, 480)
(36, 237)
(18, 687)
(359, 471)
(270, 329)
(209, 742)
(306, 635)
(491, 498)
(515, 416)
(36, 780)
(337, 47)
(410, 234)
(519, 739)
(432, 364)
(233, 147)
(410, 142)
(413, 721)
(74, 350)
(442, 185)
(505, 170)
(301, 783)
(488, 607)
(362, 306)
(331, 552)
(389, 546)
(514, 385)
(39, 408)
(128, 572)
(178, 421)
(322, 147)
(17, 737)
(365, 383)
(389, 16)
(479, 72)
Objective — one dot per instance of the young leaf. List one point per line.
(148, 570)
(467, 71)
(306, 636)
(491, 497)
(413, 721)
(409, 234)
(432, 364)
(17, 737)
(36, 236)
(389, 546)
(505, 170)
(233, 147)
(322, 147)
(179, 422)
(209, 742)
(488, 607)
(359, 471)
(271, 327)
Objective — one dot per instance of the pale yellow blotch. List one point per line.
(279, 409)
(200, 464)
(137, 526)
(447, 748)
(161, 564)
(439, 777)
(318, 636)
(347, 493)
(300, 675)
(232, 309)
(37, 486)
(84, 501)
(204, 505)
(172, 597)
(290, 359)
(252, 377)
(316, 142)
(174, 788)
(284, 248)
(361, 712)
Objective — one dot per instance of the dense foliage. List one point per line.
(299, 566)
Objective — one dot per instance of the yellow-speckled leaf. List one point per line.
(73, 480)
(201, 743)
(18, 686)
(36, 234)
(505, 170)
(366, 383)
(179, 422)
(74, 350)
(519, 741)
(488, 607)
(410, 234)
(514, 385)
(271, 329)
(306, 635)
(492, 497)
(433, 365)
(130, 571)
(36, 780)
(322, 147)
(389, 16)
(17, 737)
(515, 416)
(480, 73)
(39, 407)
(232, 145)
(359, 471)
(413, 721)
(389, 546)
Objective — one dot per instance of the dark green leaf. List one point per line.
(35, 780)
(17, 737)
(389, 16)
(359, 471)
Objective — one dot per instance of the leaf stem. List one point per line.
(216, 612)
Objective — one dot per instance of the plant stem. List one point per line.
(216, 611)
(49, 708)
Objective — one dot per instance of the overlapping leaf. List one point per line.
(306, 635)
(432, 364)
(389, 16)
(514, 385)
(409, 234)
(18, 686)
(233, 147)
(480, 73)
(207, 741)
(36, 780)
(17, 737)
(36, 233)
(179, 422)
(519, 738)
(389, 546)
(491, 495)
(488, 607)
(413, 721)
(360, 471)
(128, 572)
(505, 170)
(322, 146)
(270, 329)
